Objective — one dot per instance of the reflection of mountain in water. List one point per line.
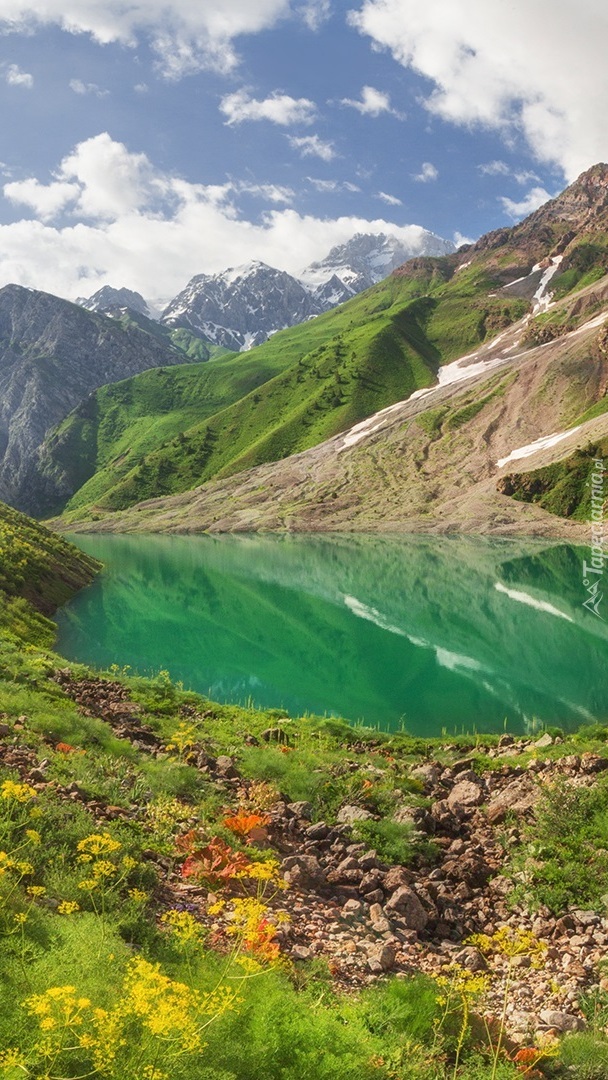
(438, 631)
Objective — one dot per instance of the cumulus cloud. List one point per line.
(372, 103)
(186, 36)
(315, 13)
(109, 216)
(427, 173)
(392, 200)
(278, 108)
(313, 146)
(14, 76)
(535, 198)
(505, 66)
(460, 239)
(82, 88)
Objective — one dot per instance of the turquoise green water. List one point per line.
(432, 633)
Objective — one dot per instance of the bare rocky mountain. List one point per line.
(53, 354)
(243, 306)
(109, 301)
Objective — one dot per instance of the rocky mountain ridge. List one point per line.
(436, 460)
(242, 306)
(53, 354)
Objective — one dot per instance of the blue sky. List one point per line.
(144, 142)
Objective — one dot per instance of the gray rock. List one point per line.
(349, 814)
(304, 871)
(471, 959)
(300, 952)
(405, 903)
(544, 741)
(561, 1021)
(301, 809)
(518, 796)
(465, 796)
(381, 957)
(225, 767)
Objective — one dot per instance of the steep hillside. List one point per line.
(435, 461)
(324, 376)
(53, 354)
(319, 378)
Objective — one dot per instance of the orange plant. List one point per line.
(213, 863)
(247, 825)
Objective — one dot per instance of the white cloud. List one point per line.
(460, 239)
(494, 168)
(313, 146)
(500, 168)
(82, 88)
(315, 13)
(332, 186)
(535, 198)
(278, 108)
(14, 76)
(392, 200)
(539, 69)
(186, 36)
(427, 173)
(109, 217)
(373, 102)
(273, 193)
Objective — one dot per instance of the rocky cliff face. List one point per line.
(53, 354)
(242, 307)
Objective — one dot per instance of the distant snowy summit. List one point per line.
(112, 301)
(243, 306)
(366, 259)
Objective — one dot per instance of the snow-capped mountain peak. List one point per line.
(108, 301)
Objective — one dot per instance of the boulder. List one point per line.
(405, 903)
(517, 797)
(465, 796)
(304, 871)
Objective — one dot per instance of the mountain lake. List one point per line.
(433, 635)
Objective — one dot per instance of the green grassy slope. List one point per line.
(114, 967)
(563, 488)
(168, 431)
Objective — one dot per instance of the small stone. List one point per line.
(300, 952)
(352, 907)
(405, 903)
(397, 876)
(561, 1021)
(381, 956)
(349, 814)
(464, 796)
(301, 809)
(544, 741)
(318, 831)
(225, 767)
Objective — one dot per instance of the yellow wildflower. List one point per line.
(68, 907)
(98, 844)
(20, 793)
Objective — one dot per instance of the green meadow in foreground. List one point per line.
(105, 969)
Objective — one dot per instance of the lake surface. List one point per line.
(427, 633)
